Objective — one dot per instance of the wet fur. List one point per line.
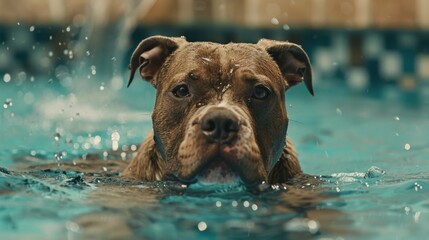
(148, 165)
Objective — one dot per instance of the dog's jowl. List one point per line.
(220, 112)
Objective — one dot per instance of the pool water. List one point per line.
(62, 149)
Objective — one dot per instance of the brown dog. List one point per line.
(220, 110)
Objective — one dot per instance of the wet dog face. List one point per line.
(220, 110)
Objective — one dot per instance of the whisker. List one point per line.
(296, 121)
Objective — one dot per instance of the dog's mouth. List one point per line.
(217, 172)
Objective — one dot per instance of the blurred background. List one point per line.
(374, 47)
(370, 46)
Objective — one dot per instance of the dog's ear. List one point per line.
(150, 54)
(292, 61)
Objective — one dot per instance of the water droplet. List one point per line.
(32, 29)
(7, 103)
(397, 118)
(57, 137)
(50, 37)
(123, 155)
(417, 217)
(339, 112)
(58, 156)
(86, 38)
(218, 204)
(133, 147)
(113, 58)
(234, 203)
(68, 29)
(105, 169)
(274, 21)
(18, 23)
(50, 54)
(407, 210)
(102, 87)
(200, 104)
(254, 207)
(407, 146)
(286, 27)
(246, 204)
(202, 226)
(417, 187)
(7, 77)
(206, 59)
(115, 136)
(88, 53)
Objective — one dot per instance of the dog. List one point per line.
(220, 113)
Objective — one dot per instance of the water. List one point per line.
(61, 156)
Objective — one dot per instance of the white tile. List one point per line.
(373, 45)
(358, 78)
(423, 66)
(390, 65)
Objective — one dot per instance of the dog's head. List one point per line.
(220, 109)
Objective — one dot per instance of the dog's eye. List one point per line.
(261, 92)
(181, 91)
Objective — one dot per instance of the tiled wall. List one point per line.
(368, 45)
(362, 58)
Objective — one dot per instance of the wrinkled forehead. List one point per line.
(217, 60)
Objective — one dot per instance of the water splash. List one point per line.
(374, 172)
(302, 225)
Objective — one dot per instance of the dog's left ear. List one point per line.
(292, 60)
(151, 54)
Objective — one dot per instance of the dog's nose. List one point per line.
(219, 125)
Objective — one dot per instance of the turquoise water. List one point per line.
(59, 175)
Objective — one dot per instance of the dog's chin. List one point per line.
(217, 172)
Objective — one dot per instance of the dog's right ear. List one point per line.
(150, 54)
